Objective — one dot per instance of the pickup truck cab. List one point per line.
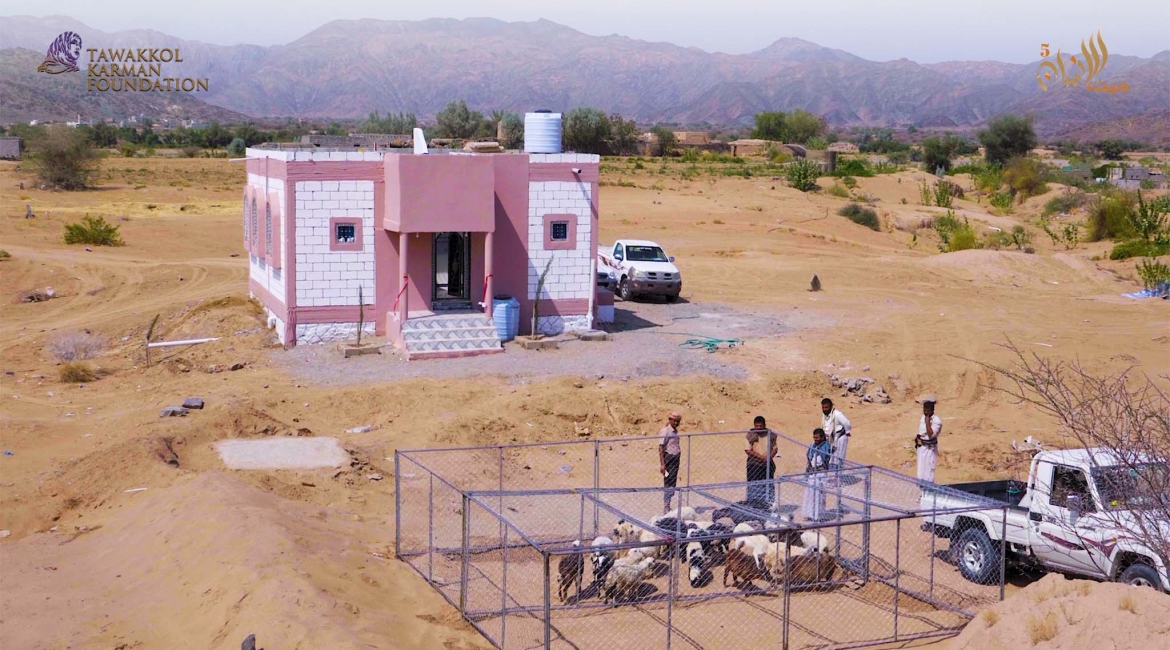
(640, 268)
(1082, 512)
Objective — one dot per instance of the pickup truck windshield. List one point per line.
(645, 254)
(1136, 487)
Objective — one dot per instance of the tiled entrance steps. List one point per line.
(450, 335)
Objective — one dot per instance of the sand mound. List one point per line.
(207, 562)
(1060, 614)
(997, 266)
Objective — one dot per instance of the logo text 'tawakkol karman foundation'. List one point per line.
(120, 70)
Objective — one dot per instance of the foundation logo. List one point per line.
(1081, 68)
(63, 54)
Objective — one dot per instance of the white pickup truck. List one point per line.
(1081, 512)
(639, 268)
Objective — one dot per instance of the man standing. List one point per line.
(927, 440)
(669, 454)
(838, 429)
(761, 466)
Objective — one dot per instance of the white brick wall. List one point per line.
(271, 279)
(316, 156)
(554, 325)
(325, 277)
(569, 275)
(538, 158)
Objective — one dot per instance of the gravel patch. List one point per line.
(644, 342)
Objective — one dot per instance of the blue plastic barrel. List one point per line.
(506, 314)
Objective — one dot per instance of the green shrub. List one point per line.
(1002, 200)
(1065, 203)
(127, 149)
(989, 178)
(1110, 216)
(861, 215)
(942, 194)
(849, 182)
(236, 147)
(1026, 178)
(1153, 273)
(189, 152)
(885, 168)
(1147, 184)
(690, 173)
(1019, 237)
(1139, 248)
(838, 191)
(1149, 220)
(802, 174)
(638, 165)
(955, 235)
(1070, 235)
(853, 167)
(925, 194)
(4, 254)
(93, 231)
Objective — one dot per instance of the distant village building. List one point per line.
(10, 148)
(749, 147)
(692, 138)
(844, 147)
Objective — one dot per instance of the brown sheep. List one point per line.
(742, 568)
(810, 568)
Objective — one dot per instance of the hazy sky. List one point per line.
(920, 30)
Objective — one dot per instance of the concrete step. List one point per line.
(450, 333)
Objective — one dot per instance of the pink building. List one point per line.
(428, 239)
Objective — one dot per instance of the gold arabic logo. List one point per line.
(1090, 64)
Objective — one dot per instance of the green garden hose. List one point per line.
(709, 343)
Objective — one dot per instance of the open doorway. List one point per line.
(451, 271)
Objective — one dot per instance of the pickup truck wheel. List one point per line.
(977, 556)
(671, 297)
(624, 290)
(1140, 575)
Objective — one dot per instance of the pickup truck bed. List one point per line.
(1006, 491)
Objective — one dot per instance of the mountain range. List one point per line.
(348, 68)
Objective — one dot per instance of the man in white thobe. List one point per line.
(927, 442)
(838, 429)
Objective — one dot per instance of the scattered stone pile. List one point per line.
(859, 387)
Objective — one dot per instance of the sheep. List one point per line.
(813, 539)
(682, 512)
(754, 545)
(571, 568)
(626, 532)
(624, 579)
(633, 556)
(774, 558)
(697, 558)
(742, 568)
(810, 567)
(602, 560)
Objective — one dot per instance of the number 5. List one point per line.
(1043, 50)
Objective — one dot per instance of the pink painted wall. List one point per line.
(511, 235)
(447, 193)
(478, 242)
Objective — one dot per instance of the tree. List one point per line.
(667, 143)
(250, 135)
(513, 127)
(803, 174)
(64, 159)
(1110, 149)
(936, 154)
(393, 123)
(770, 126)
(586, 130)
(215, 136)
(458, 121)
(623, 140)
(1006, 137)
(237, 146)
(802, 126)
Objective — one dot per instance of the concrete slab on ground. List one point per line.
(282, 453)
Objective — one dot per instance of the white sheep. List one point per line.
(623, 579)
(754, 545)
(602, 559)
(814, 540)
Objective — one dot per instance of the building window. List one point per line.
(345, 234)
(268, 227)
(560, 232)
(247, 219)
(255, 225)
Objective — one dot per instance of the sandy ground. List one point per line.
(205, 556)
